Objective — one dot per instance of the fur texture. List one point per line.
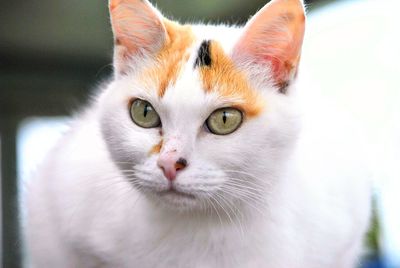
(286, 189)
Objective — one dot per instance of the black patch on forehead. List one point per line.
(203, 55)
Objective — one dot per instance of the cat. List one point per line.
(198, 153)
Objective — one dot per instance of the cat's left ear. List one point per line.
(272, 39)
(138, 32)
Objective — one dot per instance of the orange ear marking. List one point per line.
(223, 77)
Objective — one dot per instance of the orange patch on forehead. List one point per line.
(222, 76)
(172, 56)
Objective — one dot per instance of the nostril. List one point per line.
(170, 166)
(181, 163)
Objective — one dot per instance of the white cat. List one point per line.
(196, 154)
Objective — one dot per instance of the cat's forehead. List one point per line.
(195, 64)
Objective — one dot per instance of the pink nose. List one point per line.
(170, 164)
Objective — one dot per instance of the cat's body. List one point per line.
(297, 196)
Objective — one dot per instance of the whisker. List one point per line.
(235, 214)
(246, 199)
(210, 201)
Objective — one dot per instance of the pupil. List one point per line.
(224, 117)
(146, 109)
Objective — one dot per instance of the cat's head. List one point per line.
(200, 116)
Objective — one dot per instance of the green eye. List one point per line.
(224, 121)
(144, 115)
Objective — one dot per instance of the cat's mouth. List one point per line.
(175, 193)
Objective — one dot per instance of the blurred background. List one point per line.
(53, 53)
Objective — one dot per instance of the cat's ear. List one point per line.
(138, 31)
(273, 38)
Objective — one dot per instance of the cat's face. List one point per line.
(196, 117)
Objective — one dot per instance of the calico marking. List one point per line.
(172, 57)
(222, 75)
(156, 149)
(203, 55)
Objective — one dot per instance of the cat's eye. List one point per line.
(144, 115)
(224, 121)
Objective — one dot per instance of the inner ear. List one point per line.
(138, 31)
(273, 38)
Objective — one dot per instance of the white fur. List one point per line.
(299, 194)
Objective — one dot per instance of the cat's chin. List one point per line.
(175, 194)
(176, 200)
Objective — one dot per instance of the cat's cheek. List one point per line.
(127, 143)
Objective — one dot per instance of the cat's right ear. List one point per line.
(272, 41)
(138, 32)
